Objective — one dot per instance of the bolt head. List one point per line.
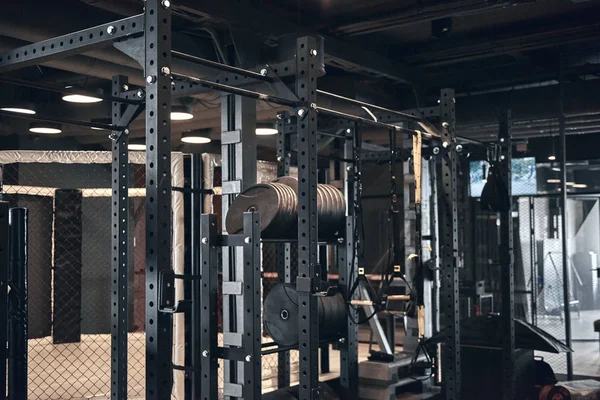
(301, 112)
(288, 155)
(166, 3)
(111, 30)
(247, 240)
(165, 70)
(205, 353)
(459, 148)
(248, 358)
(140, 93)
(439, 101)
(279, 158)
(150, 79)
(313, 52)
(445, 144)
(264, 71)
(204, 240)
(313, 106)
(125, 88)
(502, 140)
(342, 340)
(348, 131)
(502, 157)
(126, 131)
(436, 150)
(445, 124)
(340, 240)
(348, 168)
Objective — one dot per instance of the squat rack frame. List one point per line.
(147, 39)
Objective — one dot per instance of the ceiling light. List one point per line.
(266, 128)
(200, 136)
(104, 121)
(81, 99)
(20, 108)
(136, 145)
(553, 181)
(46, 128)
(551, 158)
(181, 113)
(580, 186)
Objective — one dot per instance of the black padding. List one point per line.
(494, 196)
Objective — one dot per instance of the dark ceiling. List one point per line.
(394, 53)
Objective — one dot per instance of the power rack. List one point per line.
(147, 39)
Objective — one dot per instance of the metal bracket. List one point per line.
(231, 137)
(133, 48)
(166, 293)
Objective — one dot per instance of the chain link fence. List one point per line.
(70, 277)
(538, 270)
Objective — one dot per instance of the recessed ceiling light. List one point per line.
(181, 113)
(553, 181)
(266, 129)
(551, 158)
(201, 136)
(46, 128)
(81, 99)
(580, 186)
(20, 108)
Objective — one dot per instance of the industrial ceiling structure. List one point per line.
(396, 54)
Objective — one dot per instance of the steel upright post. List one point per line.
(507, 262)
(308, 280)
(4, 263)
(238, 160)
(347, 264)
(283, 250)
(17, 300)
(159, 329)
(251, 341)
(208, 264)
(120, 249)
(196, 271)
(448, 246)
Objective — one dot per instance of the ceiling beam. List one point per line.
(339, 53)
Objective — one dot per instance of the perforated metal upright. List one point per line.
(157, 68)
(283, 250)
(120, 249)
(448, 248)
(308, 280)
(4, 262)
(507, 261)
(348, 271)
(238, 167)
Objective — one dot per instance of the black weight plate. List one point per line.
(288, 181)
(261, 198)
(334, 213)
(288, 207)
(340, 207)
(293, 211)
(280, 313)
